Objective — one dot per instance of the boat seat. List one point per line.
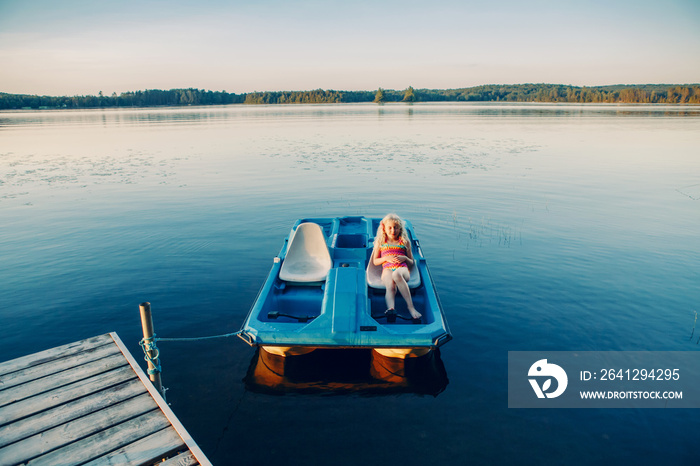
(374, 276)
(307, 259)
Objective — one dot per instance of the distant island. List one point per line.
(648, 93)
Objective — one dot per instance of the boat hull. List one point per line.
(346, 371)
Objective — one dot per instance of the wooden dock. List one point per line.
(87, 402)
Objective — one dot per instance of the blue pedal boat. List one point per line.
(323, 291)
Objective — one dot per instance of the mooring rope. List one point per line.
(151, 352)
(149, 347)
(201, 338)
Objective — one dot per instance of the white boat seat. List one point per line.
(374, 276)
(307, 259)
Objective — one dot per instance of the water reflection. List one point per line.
(444, 110)
(342, 371)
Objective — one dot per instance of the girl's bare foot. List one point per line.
(415, 314)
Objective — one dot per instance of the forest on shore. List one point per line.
(649, 93)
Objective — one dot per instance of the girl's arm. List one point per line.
(409, 253)
(376, 260)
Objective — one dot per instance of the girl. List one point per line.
(392, 250)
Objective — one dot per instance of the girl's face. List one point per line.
(392, 229)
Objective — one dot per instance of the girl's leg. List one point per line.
(390, 296)
(401, 277)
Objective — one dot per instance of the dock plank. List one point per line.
(54, 353)
(62, 414)
(35, 404)
(60, 379)
(77, 429)
(88, 401)
(183, 459)
(148, 450)
(104, 442)
(42, 370)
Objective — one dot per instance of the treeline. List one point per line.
(651, 93)
(148, 98)
(318, 96)
(648, 94)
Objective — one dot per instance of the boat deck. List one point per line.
(87, 402)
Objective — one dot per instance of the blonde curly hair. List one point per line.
(381, 236)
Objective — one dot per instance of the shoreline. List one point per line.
(520, 93)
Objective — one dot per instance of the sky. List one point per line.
(79, 47)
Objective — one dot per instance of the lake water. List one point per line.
(546, 227)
